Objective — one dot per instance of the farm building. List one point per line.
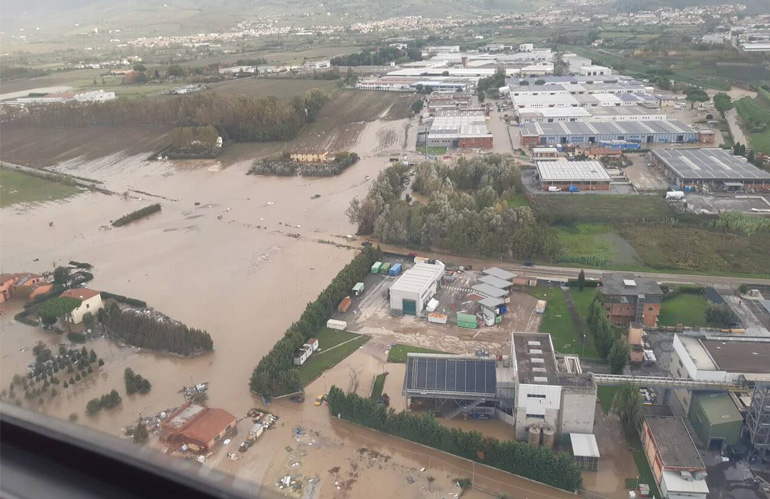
(675, 462)
(460, 131)
(570, 175)
(200, 428)
(599, 132)
(414, 289)
(710, 168)
(90, 302)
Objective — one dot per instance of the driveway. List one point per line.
(735, 130)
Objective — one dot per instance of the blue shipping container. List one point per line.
(395, 269)
(503, 309)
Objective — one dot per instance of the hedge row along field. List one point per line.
(275, 374)
(136, 215)
(539, 464)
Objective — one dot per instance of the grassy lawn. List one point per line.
(587, 244)
(379, 384)
(687, 309)
(750, 110)
(434, 150)
(645, 473)
(329, 356)
(602, 209)
(583, 300)
(606, 395)
(398, 353)
(518, 200)
(17, 187)
(557, 321)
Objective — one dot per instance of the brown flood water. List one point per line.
(242, 265)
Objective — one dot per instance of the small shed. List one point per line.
(487, 290)
(499, 273)
(585, 451)
(492, 303)
(495, 281)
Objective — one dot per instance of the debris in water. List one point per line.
(270, 203)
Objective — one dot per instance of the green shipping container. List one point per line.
(376, 267)
(467, 321)
(384, 268)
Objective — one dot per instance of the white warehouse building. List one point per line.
(415, 288)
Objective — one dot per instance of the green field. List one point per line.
(282, 88)
(580, 209)
(752, 112)
(433, 150)
(606, 395)
(583, 300)
(334, 346)
(595, 245)
(688, 309)
(17, 187)
(398, 353)
(558, 323)
(379, 384)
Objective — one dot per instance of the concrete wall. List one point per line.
(541, 403)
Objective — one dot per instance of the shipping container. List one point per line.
(540, 307)
(358, 289)
(345, 304)
(437, 318)
(467, 321)
(385, 268)
(419, 259)
(335, 324)
(395, 269)
(376, 267)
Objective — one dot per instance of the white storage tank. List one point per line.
(533, 436)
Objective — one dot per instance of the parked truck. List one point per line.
(345, 304)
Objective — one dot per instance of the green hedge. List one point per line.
(275, 374)
(589, 283)
(539, 464)
(124, 299)
(136, 215)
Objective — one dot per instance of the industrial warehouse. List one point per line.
(631, 134)
(561, 114)
(711, 169)
(466, 130)
(540, 394)
(573, 176)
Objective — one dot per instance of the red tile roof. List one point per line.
(209, 424)
(80, 293)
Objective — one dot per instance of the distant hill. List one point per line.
(58, 17)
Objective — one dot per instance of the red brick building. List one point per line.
(630, 299)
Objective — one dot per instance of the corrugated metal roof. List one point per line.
(584, 445)
(489, 290)
(495, 281)
(499, 273)
(583, 171)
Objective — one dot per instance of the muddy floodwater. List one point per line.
(239, 256)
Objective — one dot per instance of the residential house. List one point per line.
(91, 301)
(6, 283)
(25, 284)
(630, 299)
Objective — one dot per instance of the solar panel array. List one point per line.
(450, 375)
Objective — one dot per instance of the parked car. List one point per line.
(529, 264)
(320, 399)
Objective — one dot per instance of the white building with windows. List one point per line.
(90, 301)
(410, 294)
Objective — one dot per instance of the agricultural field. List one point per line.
(753, 113)
(282, 88)
(33, 147)
(595, 245)
(601, 209)
(399, 352)
(17, 187)
(687, 309)
(334, 347)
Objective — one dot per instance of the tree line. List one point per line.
(106, 401)
(539, 464)
(611, 345)
(136, 215)
(238, 118)
(195, 141)
(151, 333)
(276, 374)
(378, 57)
(467, 211)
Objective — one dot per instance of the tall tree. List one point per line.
(627, 405)
(581, 280)
(618, 356)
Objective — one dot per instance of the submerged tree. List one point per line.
(627, 405)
